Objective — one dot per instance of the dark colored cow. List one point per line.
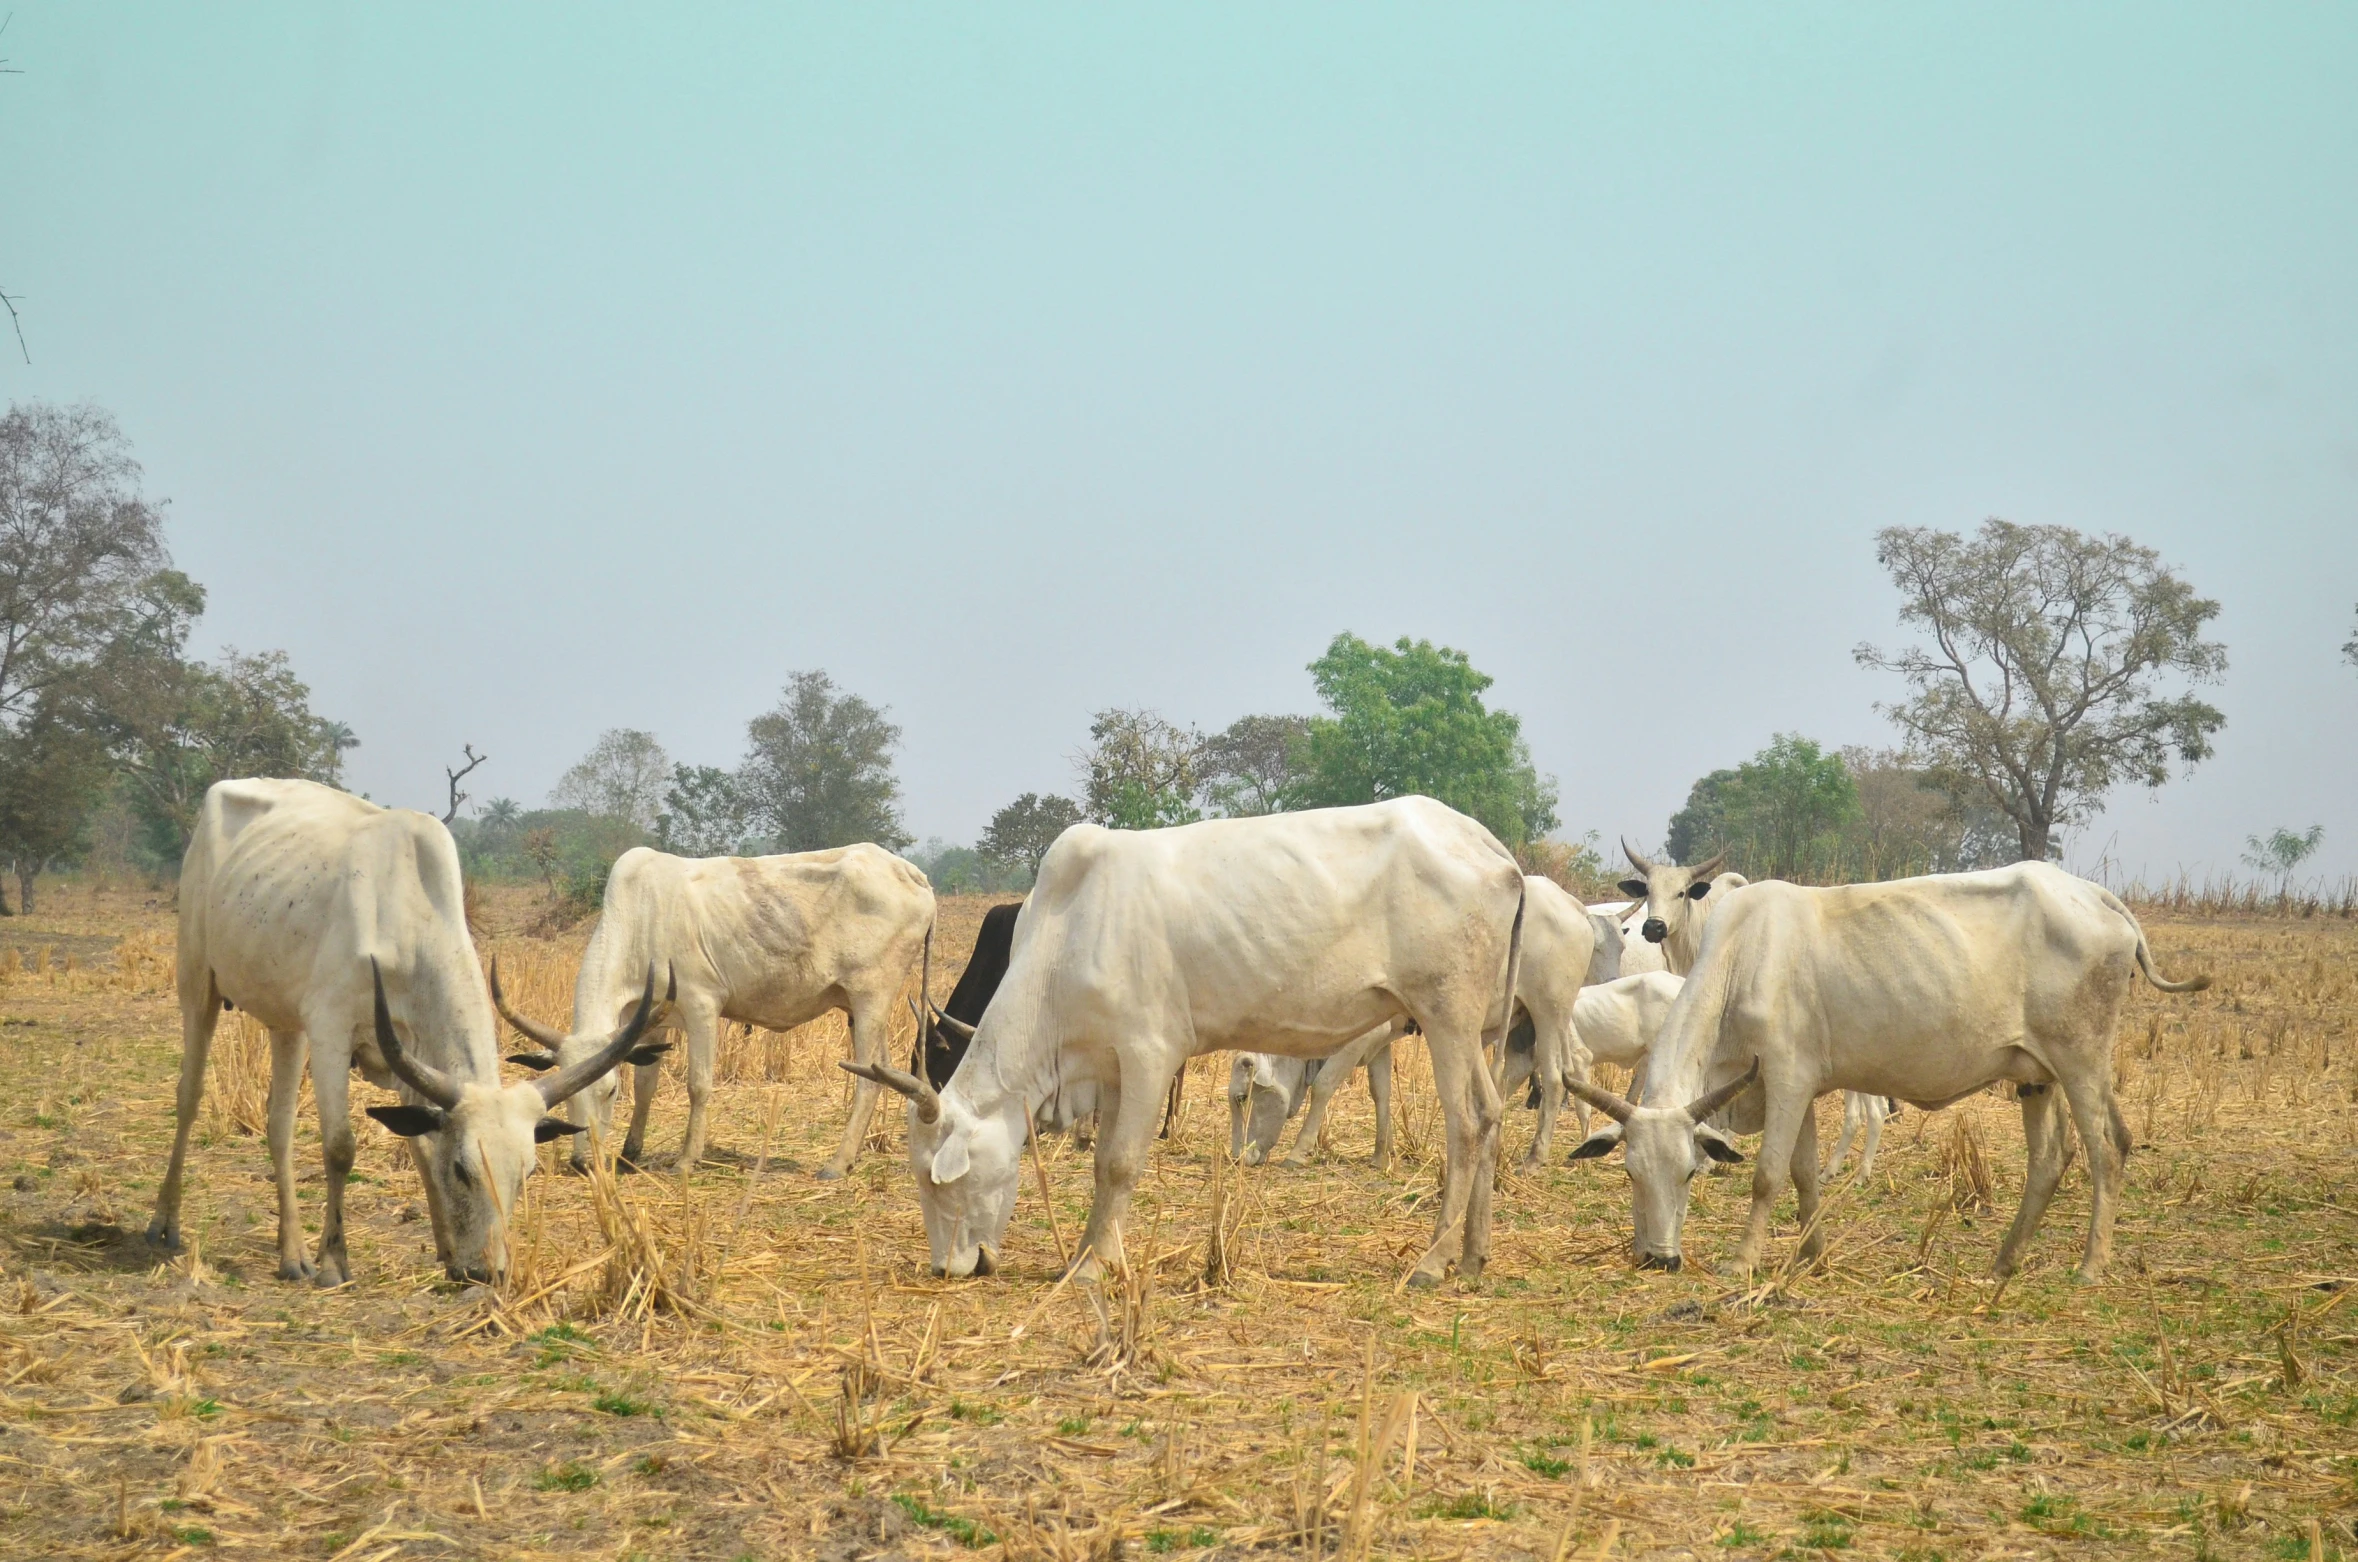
(945, 1048)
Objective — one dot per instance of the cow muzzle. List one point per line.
(1654, 930)
(1669, 1261)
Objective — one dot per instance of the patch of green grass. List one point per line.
(1159, 1541)
(1825, 1532)
(193, 1536)
(401, 1358)
(1671, 1458)
(616, 1403)
(652, 1464)
(206, 1408)
(980, 1415)
(968, 1533)
(1073, 1426)
(1540, 1462)
(565, 1477)
(1468, 1505)
(2054, 1515)
(1743, 1534)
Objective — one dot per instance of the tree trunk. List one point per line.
(2034, 840)
(25, 873)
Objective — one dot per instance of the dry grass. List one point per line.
(744, 1362)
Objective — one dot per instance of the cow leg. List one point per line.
(1580, 1064)
(1126, 1123)
(331, 1086)
(1805, 1185)
(1240, 1089)
(703, 1027)
(1850, 1128)
(2090, 1100)
(1549, 1060)
(868, 1045)
(196, 1045)
(1451, 1066)
(644, 1078)
(1322, 1090)
(1379, 1086)
(1489, 1111)
(1786, 1108)
(2047, 1148)
(1873, 1115)
(286, 1080)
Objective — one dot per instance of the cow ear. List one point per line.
(1710, 1143)
(1596, 1144)
(408, 1121)
(1635, 889)
(555, 1128)
(950, 1161)
(1698, 889)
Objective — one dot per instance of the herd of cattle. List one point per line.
(1307, 943)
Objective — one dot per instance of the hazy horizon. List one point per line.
(531, 373)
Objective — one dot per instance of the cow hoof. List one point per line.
(2085, 1276)
(296, 1269)
(1424, 1279)
(828, 1174)
(1469, 1270)
(331, 1273)
(1732, 1269)
(165, 1239)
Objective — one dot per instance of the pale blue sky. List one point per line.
(533, 372)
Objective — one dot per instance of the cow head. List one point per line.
(475, 1141)
(967, 1166)
(1664, 1147)
(1674, 897)
(595, 1101)
(1604, 956)
(1273, 1088)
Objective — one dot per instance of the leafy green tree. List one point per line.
(1140, 772)
(1700, 828)
(818, 771)
(2283, 852)
(1784, 811)
(1255, 765)
(2038, 690)
(1409, 720)
(623, 776)
(53, 776)
(703, 814)
(1020, 834)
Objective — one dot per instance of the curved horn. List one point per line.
(532, 1030)
(424, 1078)
(578, 1076)
(929, 1104)
(955, 1026)
(1710, 1101)
(1704, 870)
(1603, 1100)
(1637, 859)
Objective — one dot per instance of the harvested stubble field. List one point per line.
(749, 1363)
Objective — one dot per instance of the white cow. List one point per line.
(1863, 1117)
(768, 941)
(1564, 950)
(1628, 919)
(341, 927)
(1677, 904)
(1291, 933)
(1265, 1090)
(1923, 989)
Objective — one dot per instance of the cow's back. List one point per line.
(1276, 934)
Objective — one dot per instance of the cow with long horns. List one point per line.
(341, 927)
(768, 941)
(1291, 933)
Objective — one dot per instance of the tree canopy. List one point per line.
(1409, 719)
(818, 769)
(2039, 689)
(625, 775)
(1140, 772)
(1020, 834)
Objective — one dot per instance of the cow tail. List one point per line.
(924, 1004)
(1514, 971)
(2192, 984)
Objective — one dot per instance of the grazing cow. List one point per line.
(1562, 953)
(1628, 918)
(1290, 933)
(768, 941)
(1266, 1090)
(1923, 989)
(341, 927)
(1863, 1117)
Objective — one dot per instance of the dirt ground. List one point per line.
(749, 1363)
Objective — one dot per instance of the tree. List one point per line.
(2283, 852)
(1020, 834)
(1410, 720)
(1140, 771)
(1908, 823)
(53, 775)
(178, 727)
(703, 813)
(1254, 766)
(623, 776)
(1699, 829)
(1785, 809)
(2039, 690)
(818, 771)
(77, 544)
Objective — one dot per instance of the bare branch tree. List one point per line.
(458, 797)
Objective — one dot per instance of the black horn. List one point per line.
(576, 1077)
(424, 1078)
